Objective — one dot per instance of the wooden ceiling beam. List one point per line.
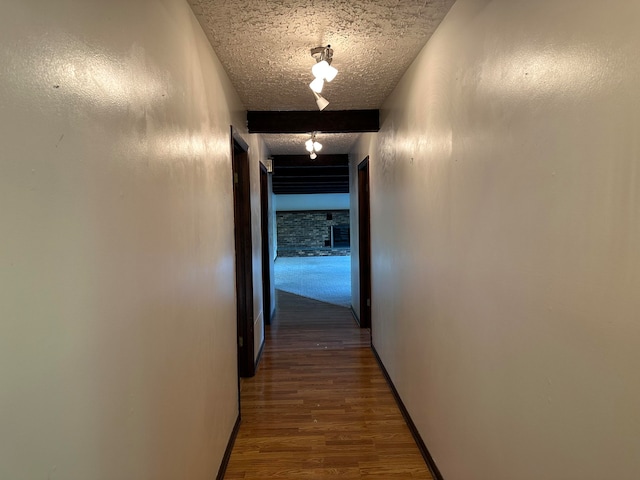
(304, 161)
(312, 179)
(306, 172)
(299, 174)
(332, 121)
(310, 189)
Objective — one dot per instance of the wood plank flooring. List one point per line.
(319, 407)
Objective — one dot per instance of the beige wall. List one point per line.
(272, 231)
(117, 302)
(311, 201)
(257, 152)
(505, 231)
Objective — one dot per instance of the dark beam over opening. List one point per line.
(300, 174)
(296, 172)
(280, 161)
(338, 121)
(306, 189)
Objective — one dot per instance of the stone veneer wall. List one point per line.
(307, 233)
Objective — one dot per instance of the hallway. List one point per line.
(500, 142)
(319, 405)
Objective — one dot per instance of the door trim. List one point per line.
(364, 243)
(244, 254)
(266, 251)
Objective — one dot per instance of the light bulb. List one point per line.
(317, 85)
(309, 145)
(330, 73)
(317, 146)
(319, 70)
(313, 156)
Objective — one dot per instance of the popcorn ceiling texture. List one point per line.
(293, 144)
(264, 45)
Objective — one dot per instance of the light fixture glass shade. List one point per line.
(313, 156)
(317, 146)
(321, 101)
(319, 70)
(309, 145)
(330, 73)
(317, 85)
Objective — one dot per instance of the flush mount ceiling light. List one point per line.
(322, 71)
(312, 146)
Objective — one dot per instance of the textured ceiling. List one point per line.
(264, 45)
(293, 144)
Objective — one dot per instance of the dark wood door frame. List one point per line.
(364, 243)
(244, 253)
(266, 251)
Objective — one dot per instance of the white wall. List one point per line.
(257, 152)
(117, 302)
(273, 245)
(314, 201)
(274, 223)
(505, 230)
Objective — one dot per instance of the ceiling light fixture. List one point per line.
(312, 146)
(322, 71)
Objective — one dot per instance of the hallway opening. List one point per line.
(313, 246)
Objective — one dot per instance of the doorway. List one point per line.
(314, 251)
(364, 243)
(243, 244)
